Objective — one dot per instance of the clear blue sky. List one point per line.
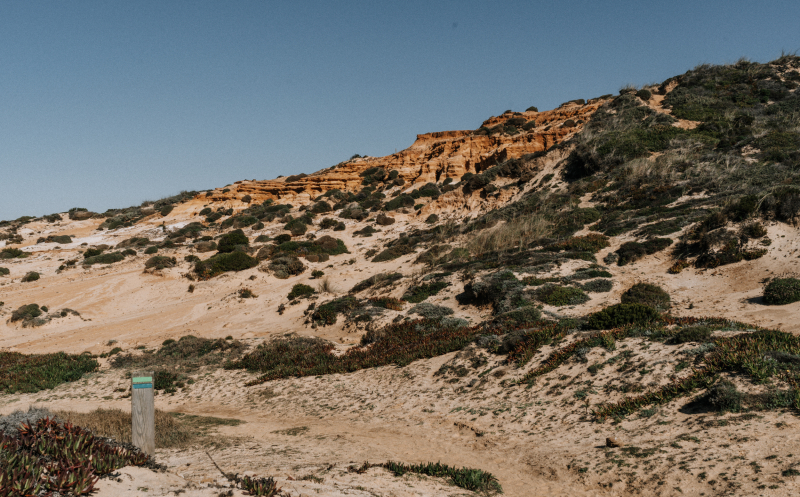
(109, 103)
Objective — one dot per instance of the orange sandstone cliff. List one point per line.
(432, 157)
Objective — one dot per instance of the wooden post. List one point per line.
(143, 425)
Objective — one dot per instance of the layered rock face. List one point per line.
(433, 157)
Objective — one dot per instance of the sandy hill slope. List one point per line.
(502, 300)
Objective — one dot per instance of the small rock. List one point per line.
(613, 442)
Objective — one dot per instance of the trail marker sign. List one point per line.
(143, 425)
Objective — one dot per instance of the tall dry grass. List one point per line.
(116, 424)
(518, 233)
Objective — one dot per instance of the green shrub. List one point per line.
(317, 274)
(632, 251)
(620, 315)
(283, 267)
(592, 242)
(166, 210)
(300, 290)
(782, 291)
(327, 313)
(725, 397)
(128, 252)
(160, 262)
(32, 373)
(754, 230)
(151, 250)
(376, 281)
(26, 312)
(402, 200)
(328, 223)
(223, 262)
(697, 333)
(205, 211)
(12, 253)
(4, 271)
(31, 276)
(392, 253)
(60, 239)
(647, 294)
(282, 239)
(109, 258)
(92, 252)
(430, 311)
(229, 241)
(432, 219)
(417, 294)
(522, 315)
(644, 94)
(560, 295)
(321, 207)
(600, 285)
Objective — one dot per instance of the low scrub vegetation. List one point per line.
(647, 294)
(782, 291)
(26, 373)
(224, 262)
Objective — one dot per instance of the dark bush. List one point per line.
(92, 252)
(109, 258)
(321, 207)
(647, 294)
(644, 94)
(166, 210)
(532, 108)
(403, 200)
(782, 291)
(430, 311)
(697, 333)
(4, 271)
(151, 250)
(592, 242)
(432, 219)
(599, 285)
(327, 313)
(223, 262)
(160, 262)
(560, 295)
(247, 199)
(725, 397)
(384, 220)
(228, 242)
(376, 281)
(26, 313)
(753, 230)
(620, 315)
(300, 290)
(316, 274)
(328, 223)
(392, 253)
(632, 251)
(417, 294)
(282, 239)
(283, 267)
(12, 253)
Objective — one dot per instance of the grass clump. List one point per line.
(593, 242)
(647, 294)
(109, 258)
(4, 271)
(31, 373)
(188, 353)
(560, 296)
(283, 267)
(388, 303)
(300, 290)
(393, 253)
(26, 313)
(223, 262)
(782, 291)
(600, 285)
(700, 334)
(30, 276)
(431, 311)
(418, 293)
(621, 315)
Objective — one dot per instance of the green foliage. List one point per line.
(632, 251)
(393, 252)
(30, 276)
(26, 312)
(599, 285)
(12, 253)
(431, 311)
(316, 274)
(283, 267)
(376, 281)
(647, 294)
(782, 291)
(698, 333)
(560, 295)
(474, 480)
(402, 200)
(4, 271)
(593, 242)
(401, 344)
(327, 313)
(151, 250)
(160, 262)
(621, 315)
(166, 210)
(229, 241)
(300, 290)
(223, 262)
(418, 293)
(31, 373)
(109, 258)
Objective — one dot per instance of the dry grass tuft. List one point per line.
(116, 424)
(518, 233)
(325, 286)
